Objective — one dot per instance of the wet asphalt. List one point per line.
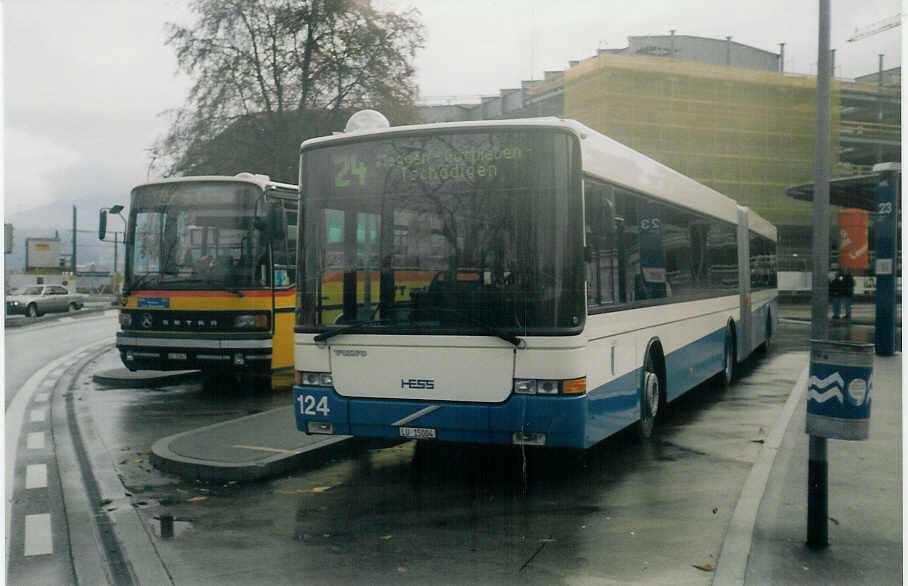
(624, 512)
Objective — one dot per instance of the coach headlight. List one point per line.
(251, 321)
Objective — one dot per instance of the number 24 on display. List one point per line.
(350, 166)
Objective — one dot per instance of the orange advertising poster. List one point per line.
(853, 239)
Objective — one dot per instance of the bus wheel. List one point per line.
(728, 370)
(650, 398)
(767, 343)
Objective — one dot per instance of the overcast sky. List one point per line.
(86, 81)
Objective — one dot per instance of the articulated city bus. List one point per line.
(210, 275)
(515, 282)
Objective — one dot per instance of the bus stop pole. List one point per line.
(817, 465)
(885, 227)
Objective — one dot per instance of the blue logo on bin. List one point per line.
(838, 392)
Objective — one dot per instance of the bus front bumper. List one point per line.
(554, 421)
(156, 352)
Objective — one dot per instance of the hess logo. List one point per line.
(417, 383)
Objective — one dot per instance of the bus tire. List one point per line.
(652, 395)
(767, 343)
(729, 359)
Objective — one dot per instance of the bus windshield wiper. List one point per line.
(133, 286)
(230, 289)
(489, 328)
(321, 338)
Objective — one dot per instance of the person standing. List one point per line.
(841, 288)
(849, 292)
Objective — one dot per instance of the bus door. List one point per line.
(745, 324)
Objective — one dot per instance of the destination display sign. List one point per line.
(455, 162)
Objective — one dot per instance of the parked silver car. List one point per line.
(40, 299)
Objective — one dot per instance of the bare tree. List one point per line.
(270, 73)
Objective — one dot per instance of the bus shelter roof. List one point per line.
(858, 191)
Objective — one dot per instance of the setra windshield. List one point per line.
(469, 232)
(196, 235)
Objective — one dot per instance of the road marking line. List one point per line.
(15, 418)
(36, 476)
(41, 398)
(49, 382)
(38, 537)
(35, 440)
(266, 449)
(65, 319)
(37, 415)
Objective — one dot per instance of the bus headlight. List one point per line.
(314, 379)
(525, 386)
(250, 321)
(532, 386)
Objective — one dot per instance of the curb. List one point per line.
(123, 377)
(73, 419)
(731, 566)
(165, 459)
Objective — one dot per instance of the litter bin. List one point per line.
(838, 391)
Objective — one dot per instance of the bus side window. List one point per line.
(628, 244)
(602, 259)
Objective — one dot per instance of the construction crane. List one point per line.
(877, 27)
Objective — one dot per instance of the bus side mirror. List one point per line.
(102, 224)
(272, 225)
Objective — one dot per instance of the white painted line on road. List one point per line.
(36, 476)
(41, 397)
(37, 415)
(731, 567)
(38, 537)
(15, 417)
(35, 440)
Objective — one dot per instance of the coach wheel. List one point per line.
(32, 310)
(650, 399)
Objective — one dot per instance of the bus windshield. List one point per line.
(473, 232)
(195, 235)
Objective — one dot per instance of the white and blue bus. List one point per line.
(515, 282)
